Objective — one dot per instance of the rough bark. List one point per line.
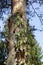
(17, 6)
(11, 56)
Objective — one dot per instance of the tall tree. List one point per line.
(20, 38)
(19, 35)
(18, 6)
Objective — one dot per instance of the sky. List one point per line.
(38, 34)
(35, 21)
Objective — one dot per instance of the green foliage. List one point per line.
(23, 39)
(35, 54)
(3, 52)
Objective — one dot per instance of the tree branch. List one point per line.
(36, 12)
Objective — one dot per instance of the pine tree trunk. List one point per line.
(17, 6)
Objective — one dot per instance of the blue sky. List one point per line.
(35, 21)
(38, 34)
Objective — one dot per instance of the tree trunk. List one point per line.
(11, 57)
(18, 6)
